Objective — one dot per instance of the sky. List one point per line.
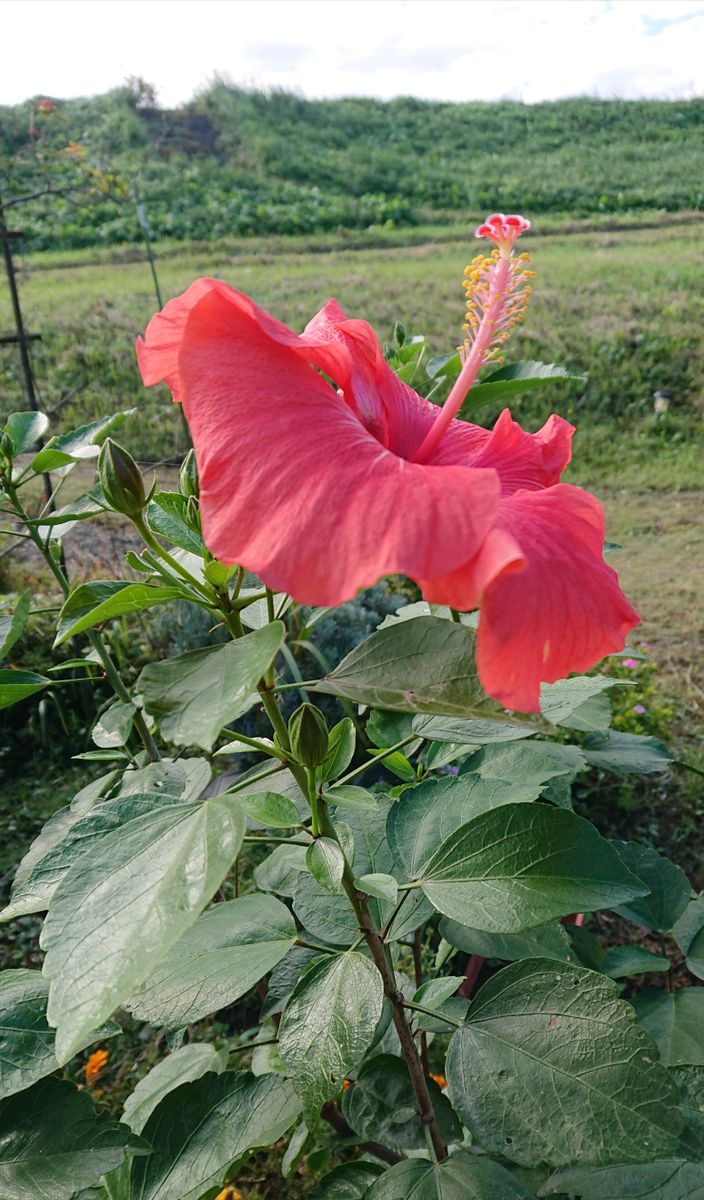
(527, 50)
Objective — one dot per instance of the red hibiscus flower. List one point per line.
(321, 472)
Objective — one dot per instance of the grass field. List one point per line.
(622, 305)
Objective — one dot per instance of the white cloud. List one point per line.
(440, 49)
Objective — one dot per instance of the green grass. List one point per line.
(622, 306)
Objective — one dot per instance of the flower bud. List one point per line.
(121, 479)
(308, 734)
(188, 478)
(7, 447)
(192, 514)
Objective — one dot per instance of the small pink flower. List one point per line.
(630, 662)
(647, 646)
(45, 106)
(638, 708)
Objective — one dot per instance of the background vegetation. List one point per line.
(239, 162)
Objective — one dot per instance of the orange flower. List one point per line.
(95, 1065)
(229, 1193)
(345, 1085)
(439, 1079)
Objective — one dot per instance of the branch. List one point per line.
(331, 1113)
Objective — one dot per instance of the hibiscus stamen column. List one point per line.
(497, 290)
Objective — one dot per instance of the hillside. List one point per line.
(238, 162)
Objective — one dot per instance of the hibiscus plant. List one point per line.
(387, 896)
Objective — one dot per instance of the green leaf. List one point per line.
(279, 871)
(77, 445)
(675, 1021)
(326, 863)
(620, 961)
(539, 1029)
(544, 941)
(511, 380)
(52, 1143)
(90, 604)
(329, 916)
(195, 694)
(668, 1180)
(66, 837)
(166, 515)
(378, 884)
(380, 1105)
(579, 702)
(228, 949)
(530, 762)
(18, 685)
(271, 809)
(185, 779)
(520, 865)
(463, 1176)
(349, 1181)
(430, 812)
(626, 753)
(113, 728)
(439, 754)
(57, 524)
(348, 796)
(689, 935)
(385, 729)
(328, 1025)
(185, 1065)
(668, 887)
(476, 730)
(26, 1041)
(422, 665)
(341, 747)
(25, 428)
(256, 614)
(202, 1128)
(136, 893)
(11, 627)
(284, 978)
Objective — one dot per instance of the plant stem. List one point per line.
(94, 638)
(252, 779)
(331, 1113)
(418, 974)
(122, 693)
(280, 841)
(430, 1012)
(155, 545)
(377, 758)
(382, 962)
(271, 751)
(426, 1111)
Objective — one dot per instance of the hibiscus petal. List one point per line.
(293, 486)
(563, 612)
(523, 460)
(390, 409)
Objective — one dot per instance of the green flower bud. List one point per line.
(7, 447)
(308, 735)
(192, 514)
(188, 478)
(121, 480)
